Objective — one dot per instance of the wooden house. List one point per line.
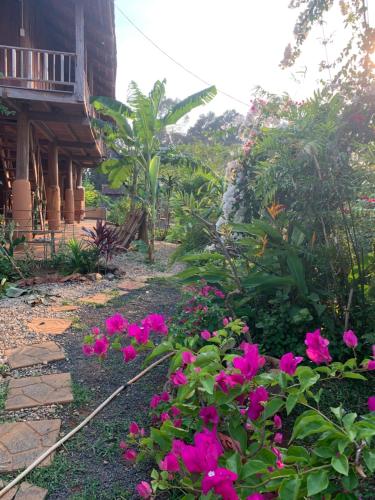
(54, 54)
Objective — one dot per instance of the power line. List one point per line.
(175, 61)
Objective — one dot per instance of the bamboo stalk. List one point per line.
(81, 425)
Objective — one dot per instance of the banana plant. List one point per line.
(135, 139)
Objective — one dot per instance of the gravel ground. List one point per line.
(90, 466)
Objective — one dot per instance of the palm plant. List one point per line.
(135, 139)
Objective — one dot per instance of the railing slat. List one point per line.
(14, 63)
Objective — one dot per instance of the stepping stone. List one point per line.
(34, 354)
(25, 491)
(28, 392)
(58, 309)
(99, 299)
(23, 442)
(128, 285)
(49, 326)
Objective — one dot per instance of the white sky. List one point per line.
(234, 44)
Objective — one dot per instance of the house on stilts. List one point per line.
(54, 55)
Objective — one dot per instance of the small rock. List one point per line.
(110, 276)
(94, 277)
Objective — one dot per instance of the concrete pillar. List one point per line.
(69, 195)
(79, 198)
(53, 190)
(21, 188)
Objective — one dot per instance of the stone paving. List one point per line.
(23, 442)
(38, 391)
(63, 308)
(25, 491)
(34, 354)
(49, 326)
(99, 299)
(129, 285)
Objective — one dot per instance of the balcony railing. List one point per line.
(37, 69)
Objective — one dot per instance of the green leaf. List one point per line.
(340, 464)
(317, 481)
(356, 376)
(348, 420)
(253, 467)
(237, 432)
(186, 105)
(208, 383)
(154, 175)
(272, 407)
(233, 463)
(296, 269)
(369, 458)
(297, 454)
(160, 349)
(291, 402)
(307, 377)
(324, 451)
(289, 489)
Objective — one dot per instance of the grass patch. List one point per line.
(3, 394)
(78, 324)
(82, 395)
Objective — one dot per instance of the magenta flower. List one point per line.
(123, 445)
(164, 416)
(177, 422)
(371, 403)
(245, 329)
(156, 323)
(155, 400)
(164, 396)
(129, 353)
(101, 347)
(170, 463)
(289, 363)
(279, 458)
(250, 363)
(134, 428)
(174, 411)
(257, 397)
(87, 350)
(204, 455)
(225, 321)
(177, 446)
(371, 365)
(277, 422)
(278, 438)
(144, 489)
(188, 357)
(205, 335)
(116, 324)
(350, 339)
(209, 415)
(317, 348)
(141, 334)
(95, 330)
(226, 381)
(255, 496)
(130, 455)
(178, 378)
(219, 294)
(221, 481)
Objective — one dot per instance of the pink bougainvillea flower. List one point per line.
(350, 339)
(177, 446)
(255, 496)
(225, 321)
(116, 324)
(317, 348)
(209, 415)
(144, 489)
(205, 335)
(178, 378)
(164, 396)
(177, 422)
(221, 481)
(87, 350)
(257, 397)
(140, 333)
(279, 458)
(135, 429)
(277, 422)
(174, 411)
(250, 363)
(95, 330)
(101, 347)
(155, 400)
(245, 329)
(129, 353)
(188, 357)
(371, 403)
(204, 455)
(278, 438)
(170, 463)
(130, 455)
(227, 381)
(156, 323)
(371, 365)
(164, 416)
(289, 363)
(219, 294)
(123, 445)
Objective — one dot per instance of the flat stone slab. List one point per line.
(25, 491)
(98, 299)
(49, 326)
(23, 442)
(129, 285)
(38, 391)
(58, 309)
(34, 354)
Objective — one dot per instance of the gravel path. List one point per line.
(90, 466)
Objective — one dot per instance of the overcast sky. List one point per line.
(234, 44)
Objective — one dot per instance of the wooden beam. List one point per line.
(79, 88)
(41, 116)
(23, 145)
(70, 144)
(37, 95)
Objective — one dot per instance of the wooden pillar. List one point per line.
(21, 188)
(80, 50)
(53, 190)
(69, 194)
(79, 197)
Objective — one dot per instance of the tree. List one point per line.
(136, 140)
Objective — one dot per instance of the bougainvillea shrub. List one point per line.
(229, 425)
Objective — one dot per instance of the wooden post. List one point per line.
(80, 50)
(79, 197)
(69, 194)
(53, 191)
(21, 188)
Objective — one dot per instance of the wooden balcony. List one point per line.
(37, 69)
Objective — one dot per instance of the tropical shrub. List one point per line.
(227, 426)
(104, 239)
(76, 257)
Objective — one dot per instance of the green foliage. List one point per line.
(76, 257)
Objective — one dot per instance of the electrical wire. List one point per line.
(187, 70)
